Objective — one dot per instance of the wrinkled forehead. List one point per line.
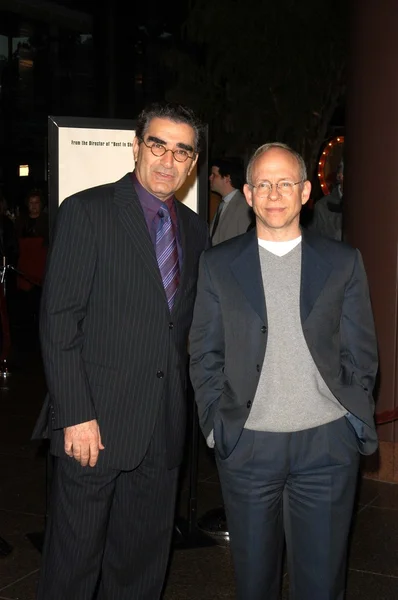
(276, 163)
(170, 132)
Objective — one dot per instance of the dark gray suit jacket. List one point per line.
(236, 218)
(111, 349)
(228, 337)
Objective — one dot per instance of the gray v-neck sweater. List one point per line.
(291, 394)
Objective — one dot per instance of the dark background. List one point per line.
(255, 71)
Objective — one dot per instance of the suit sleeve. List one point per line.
(246, 219)
(67, 287)
(358, 336)
(207, 349)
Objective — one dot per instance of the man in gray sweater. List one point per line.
(283, 364)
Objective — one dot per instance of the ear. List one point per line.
(136, 146)
(194, 161)
(306, 192)
(248, 192)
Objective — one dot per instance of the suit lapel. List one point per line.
(132, 218)
(247, 271)
(315, 271)
(187, 257)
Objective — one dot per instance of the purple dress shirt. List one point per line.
(150, 206)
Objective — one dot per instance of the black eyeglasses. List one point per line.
(179, 154)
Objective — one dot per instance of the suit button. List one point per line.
(171, 325)
(263, 329)
(249, 404)
(258, 368)
(160, 374)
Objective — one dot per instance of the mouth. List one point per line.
(164, 176)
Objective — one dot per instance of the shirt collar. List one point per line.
(229, 196)
(148, 200)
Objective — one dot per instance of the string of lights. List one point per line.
(330, 147)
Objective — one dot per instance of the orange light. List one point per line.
(322, 163)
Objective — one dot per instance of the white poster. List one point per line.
(88, 157)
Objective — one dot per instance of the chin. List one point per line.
(163, 189)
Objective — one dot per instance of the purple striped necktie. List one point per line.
(167, 255)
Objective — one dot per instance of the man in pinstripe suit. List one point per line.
(114, 347)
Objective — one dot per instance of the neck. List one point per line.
(228, 191)
(277, 235)
(137, 178)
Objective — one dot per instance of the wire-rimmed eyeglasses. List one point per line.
(180, 155)
(284, 187)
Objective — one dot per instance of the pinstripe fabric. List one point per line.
(122, 567)
(111, 348)
(113, 351)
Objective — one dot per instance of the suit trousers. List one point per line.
(109, 532)
(299, 486)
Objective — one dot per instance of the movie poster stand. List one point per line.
(86, 152)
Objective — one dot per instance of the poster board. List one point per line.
(86, 152)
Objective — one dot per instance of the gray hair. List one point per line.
(265, 148)
(179, 113)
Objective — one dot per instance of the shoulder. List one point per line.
(191, 218)
(90, 196)
(333, 250)
(333, 198)
(227, 251)
(95, 200)
(239, 199)
(321, 204)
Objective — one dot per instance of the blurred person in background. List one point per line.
(328, 210)
(32, 227)
(233, 215)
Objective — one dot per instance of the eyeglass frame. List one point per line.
(168, 150)
(293, 183)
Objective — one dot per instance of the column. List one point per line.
(371, 197)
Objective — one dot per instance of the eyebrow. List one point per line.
(289, 179)
(187, 147)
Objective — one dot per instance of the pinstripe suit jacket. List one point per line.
(112, 351)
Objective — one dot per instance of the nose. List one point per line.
(274, 193)
(168, 159)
